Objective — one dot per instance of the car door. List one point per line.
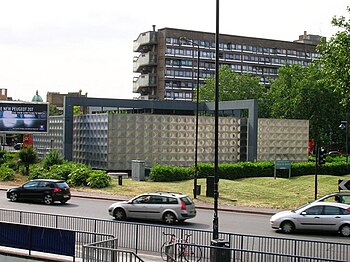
(332, 217)
(30, 190)
(320, 217)
(156, 207)
(138, 207)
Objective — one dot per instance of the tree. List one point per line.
(306, 93)
(335, 58)
(54, 111)
(235, 86)
(27, 156)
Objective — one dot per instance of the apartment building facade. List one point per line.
(167, 59)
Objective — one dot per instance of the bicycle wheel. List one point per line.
(164, 251)
(192, 254)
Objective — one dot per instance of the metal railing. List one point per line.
(210, 253)
(107, 251)
(136, 236)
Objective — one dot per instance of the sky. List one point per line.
(71, 45)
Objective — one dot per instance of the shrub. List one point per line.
(79, 176)
(168, 173)
(53, 158)
(35, 171)
(99, 179)
(6, 173)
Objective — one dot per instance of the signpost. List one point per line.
(283, 164)
(343, 184)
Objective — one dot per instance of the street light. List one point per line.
(344, 125)
(216, 139)
(184, 39)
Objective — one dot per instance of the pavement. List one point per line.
(199, 204)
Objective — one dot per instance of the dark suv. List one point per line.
(44, 190)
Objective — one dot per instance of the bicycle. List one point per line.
(187, 252)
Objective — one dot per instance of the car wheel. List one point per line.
(287, 227)
(13, 197)
(48, 200)
(119, 214)
(169, 218)
(345, 230)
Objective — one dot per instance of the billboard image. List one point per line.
(18, 117)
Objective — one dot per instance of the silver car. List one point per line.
(167, 207)
(320, 216)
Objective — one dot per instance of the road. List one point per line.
(251, 224)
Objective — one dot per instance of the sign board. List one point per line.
(18, 117)
(343, 184)
(283, 164)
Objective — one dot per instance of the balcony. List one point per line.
(144, 81)
(143, 61)
(142, 43)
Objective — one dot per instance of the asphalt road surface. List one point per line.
(250, 224)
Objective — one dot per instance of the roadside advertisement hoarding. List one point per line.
(18, 117)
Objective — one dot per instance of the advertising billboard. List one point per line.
(18, 117)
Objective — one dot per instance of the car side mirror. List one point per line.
(303, 213)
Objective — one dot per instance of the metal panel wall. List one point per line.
(168, 139)
(283, 139)
(51, 140)
(90, 137)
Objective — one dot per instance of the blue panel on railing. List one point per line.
(49, 240)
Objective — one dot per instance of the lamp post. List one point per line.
(184, 39)
(216, 147)
(344, 125)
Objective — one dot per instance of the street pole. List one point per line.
(346, 138)
(197, 112)
(216, 161)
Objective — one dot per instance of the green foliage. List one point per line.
(54, 111)
(52, 158)
(36, 171)
(235, 86)
(6, 173)
(168, 173)
(335, 58)
(99, 179)
(245, 170)
(79, 176)
(305, 93)
(27, 156)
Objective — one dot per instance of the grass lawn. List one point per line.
(282, 193)
(253, 192)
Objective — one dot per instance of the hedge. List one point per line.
(167, 173)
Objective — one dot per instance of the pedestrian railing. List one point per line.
(222, 254)
(136, 236)
(107, 251)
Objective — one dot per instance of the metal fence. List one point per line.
(189, 252)
(107, 251)
(149, 238)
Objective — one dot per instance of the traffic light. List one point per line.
(321, 156)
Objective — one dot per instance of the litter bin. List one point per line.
(220, 252)
(210, 186)
(138, 170)
(198, 190)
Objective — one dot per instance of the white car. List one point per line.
(320, 216)
(166, 207)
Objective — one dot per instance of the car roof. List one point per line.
(335, 204)
(173, 194)
(333, 194)
(48, 180)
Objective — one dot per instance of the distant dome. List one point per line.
(37, 98)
